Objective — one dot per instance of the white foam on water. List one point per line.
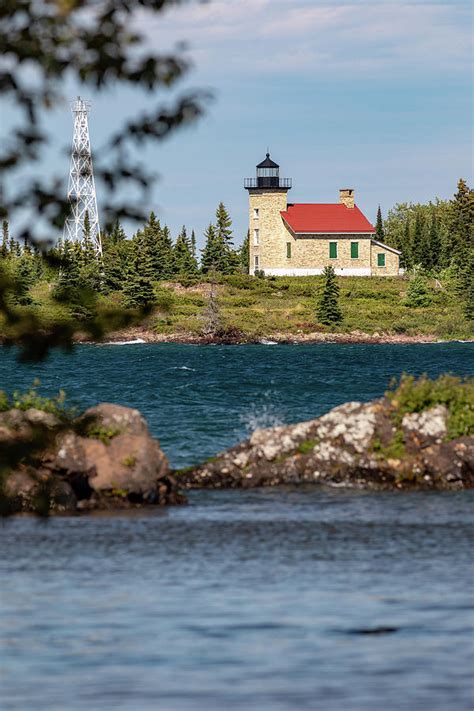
(134, 342)
(260, 417)
(266, 342)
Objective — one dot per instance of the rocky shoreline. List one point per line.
(419, 436)
(356, 445)
(234, 337)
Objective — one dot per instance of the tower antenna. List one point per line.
(81, 188)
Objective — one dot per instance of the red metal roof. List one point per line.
(307, 217)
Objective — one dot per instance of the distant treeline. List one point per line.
(433, 236)
(130, 266)
(433, 239)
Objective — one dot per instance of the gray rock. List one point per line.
(354, 445)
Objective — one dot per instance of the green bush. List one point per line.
(418, 394)
(31, 399)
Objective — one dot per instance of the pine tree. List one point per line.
(117, 234)
(193, 246)
(228, 260)
(417, 249)
(5, 239)
(138, 289)
(244, 254)
(165, 257)
(434, 242)
(90, 266)
(379, 230)
(211, 254)
(223, 224)
(418, 294)
(184, 262)
(405, 246)
(328, 310)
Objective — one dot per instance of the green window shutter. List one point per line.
(354, 250)
(332, 250)
(288, 250)
(380, 259)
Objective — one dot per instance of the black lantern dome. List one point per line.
(268, 173)
(268, 176)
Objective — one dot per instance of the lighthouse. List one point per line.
(267, 199)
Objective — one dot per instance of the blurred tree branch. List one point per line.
(95, 44)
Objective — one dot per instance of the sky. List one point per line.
(376, 96)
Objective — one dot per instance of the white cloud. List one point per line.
(275, 36)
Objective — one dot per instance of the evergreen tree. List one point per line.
(328, 310)
(223, 224)
(418, 294)
(417, 244)
(193, 246)
(184, 262)
(379, 230)
(165, 257)
(405, 245)
(117, 234)
(244, 254)
(5, 239)
(211, 254)
(89, 264)
(434, 242)
(138, 289)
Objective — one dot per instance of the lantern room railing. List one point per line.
(267, 182)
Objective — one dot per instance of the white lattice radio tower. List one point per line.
(81, 189)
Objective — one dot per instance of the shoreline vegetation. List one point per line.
(419, 435)
(159, 288)
(239, 308)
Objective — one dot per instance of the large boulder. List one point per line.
(104, 459)
(356, 445)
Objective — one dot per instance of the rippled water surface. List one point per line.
(201, 399)
(267, 600)
(260, 600)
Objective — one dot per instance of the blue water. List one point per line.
(201, 399)
(263, 600)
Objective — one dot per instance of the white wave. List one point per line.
(266, 342)
(182, 367)
(125, 343)
(260, 417)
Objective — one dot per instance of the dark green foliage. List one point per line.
(184, 262)
(223, 224)
(379, 230)
(328, 310)
(138, 289)
(434, 241)
(212, 252)
(417, 249)
(244, 254)
(5, 240)
(418, 293)
(419, 394)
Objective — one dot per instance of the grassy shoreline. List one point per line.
(283, 309)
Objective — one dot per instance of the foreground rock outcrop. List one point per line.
(360, 445)
(105, 459)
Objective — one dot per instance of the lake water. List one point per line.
(271, 600)
(202, 399)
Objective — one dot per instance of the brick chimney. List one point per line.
(346, 197)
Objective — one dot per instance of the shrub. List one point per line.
(418, 294)
(417, 394)
(31, 399)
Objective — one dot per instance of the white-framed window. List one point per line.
(256, 237)
(256, 262)
(255, 213)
